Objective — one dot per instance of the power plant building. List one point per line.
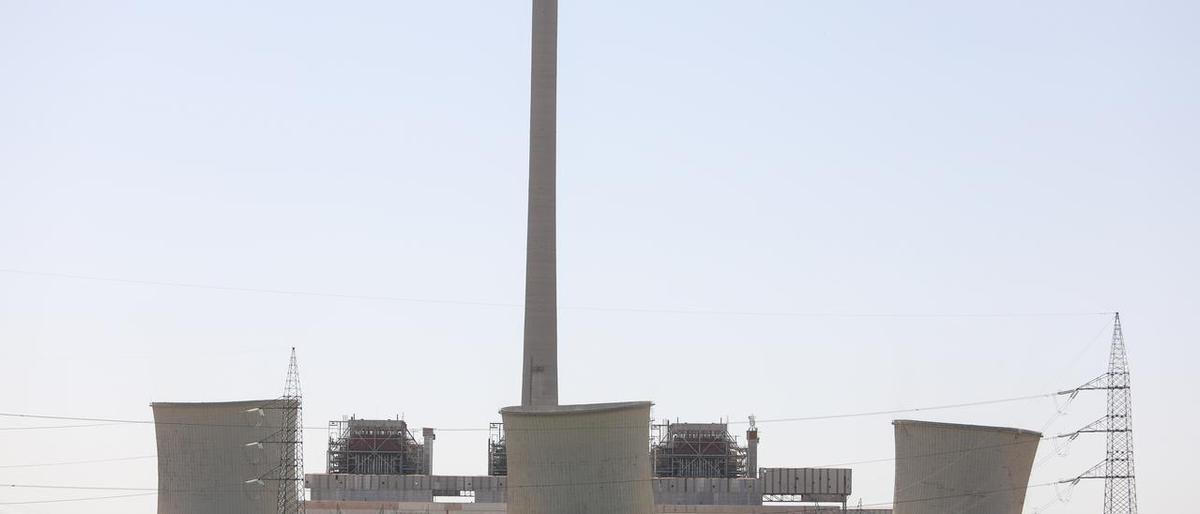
(218, 457)
(574, 446)
(377, 447)
(697, 450)
(944, 468)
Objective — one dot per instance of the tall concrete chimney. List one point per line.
(752, 449)
(539, 385)
(429, 436)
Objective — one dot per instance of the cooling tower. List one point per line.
(944, 468)
(209, 460)
(574, 459)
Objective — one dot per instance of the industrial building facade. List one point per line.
(218, 457)
(336, 507)
(377, 447)
(697, 450)
(689, 463)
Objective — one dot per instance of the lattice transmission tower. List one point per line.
(1120, 491)
(291, 436)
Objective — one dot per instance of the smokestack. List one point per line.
(539, 385)
(752, 450)
(429, 436)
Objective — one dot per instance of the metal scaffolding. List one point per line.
(497, 451)
(696, 450)
(374, 447)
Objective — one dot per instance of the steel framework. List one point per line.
(291, 437)
(1117, 471)
(696, 450)
(374, 447)
(497, 450)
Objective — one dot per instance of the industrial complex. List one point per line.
(551, 458)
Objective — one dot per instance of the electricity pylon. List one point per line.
(291, 454)
(1120, 491)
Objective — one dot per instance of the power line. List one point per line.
(941, 453)
(1084, 350)
(253, 289)
(67, 500)
(120, 421)
(850, 463)
(702, 312)
(963, 495)
(76, 487)
(906, 411)
(74, 462)
(797, 419)
(53, 427)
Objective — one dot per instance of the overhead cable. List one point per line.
(479, 303)
(475, 429)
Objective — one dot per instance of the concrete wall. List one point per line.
(204, 461)
(401, 488)
(574, 459)
(764, 509)
(825, 484)
(487, 489)
(943, 468)
(815, 482)
(336, 507)
(330, 507)
(707, 491)
(373, 488)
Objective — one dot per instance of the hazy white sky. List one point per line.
(751, 156)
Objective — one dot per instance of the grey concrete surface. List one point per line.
(579, 458)
(209, 460)
(944, 468)
(539, 385)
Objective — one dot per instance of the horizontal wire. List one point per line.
(833, 416)
(905, 411)
(870, 461)
(68, 500)
(709, 312)
(74, 462)
(938, 454)
(54, 427)
(253, 289)
(105, 421)
(77, 487)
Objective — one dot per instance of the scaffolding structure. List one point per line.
(497, 451)
(702, 450)
(374, 447)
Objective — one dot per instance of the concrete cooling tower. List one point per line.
(579, 459)
(944, 468)
(209, 459)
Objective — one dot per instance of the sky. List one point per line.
(771, 208)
